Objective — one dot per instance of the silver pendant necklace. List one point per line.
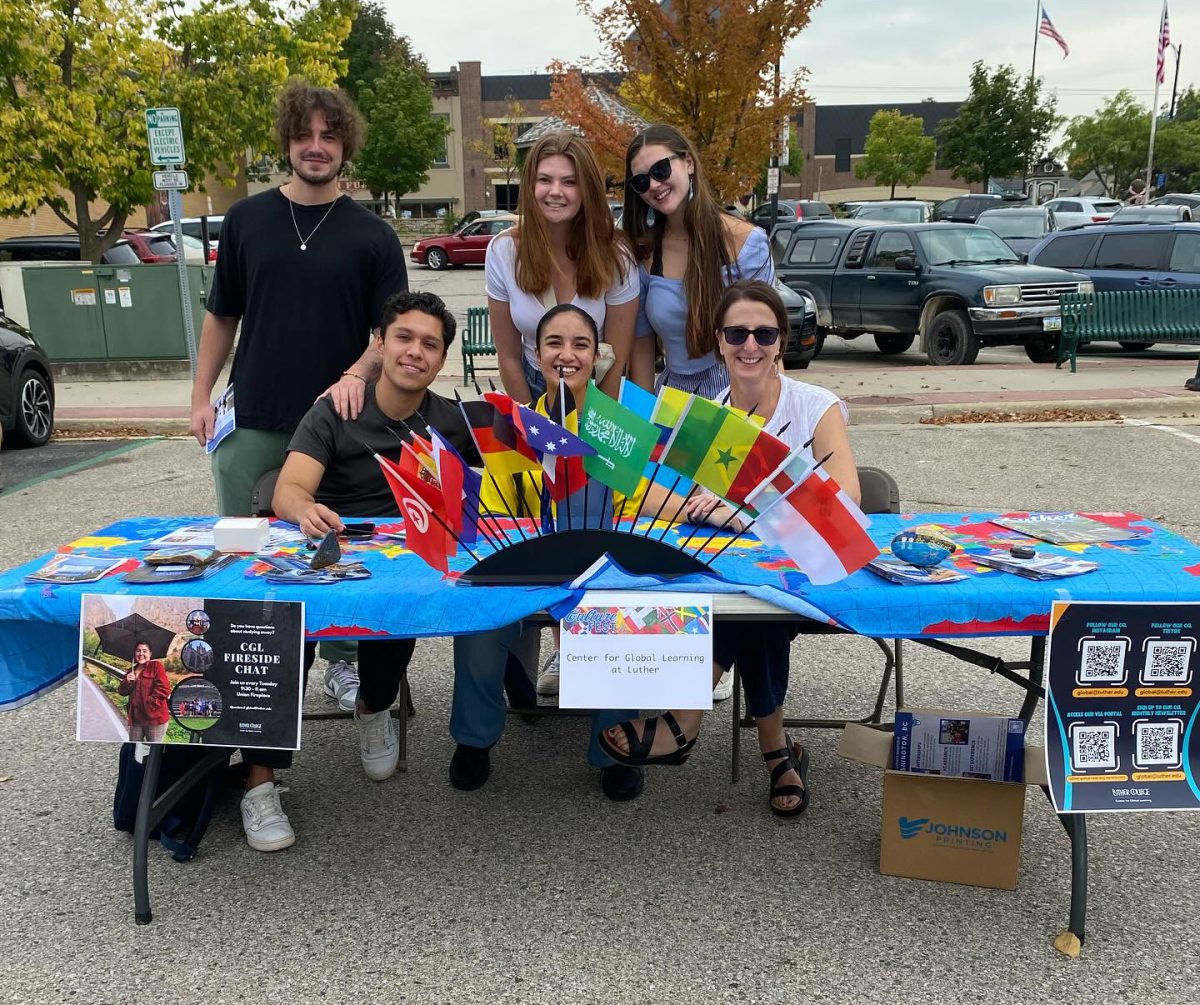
(304, 240)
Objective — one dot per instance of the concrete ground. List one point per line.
(535, 889)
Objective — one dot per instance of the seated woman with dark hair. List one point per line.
(751, 325)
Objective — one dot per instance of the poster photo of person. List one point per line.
(146, 674)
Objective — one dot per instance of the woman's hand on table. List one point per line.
(704, 507)
(317, 520)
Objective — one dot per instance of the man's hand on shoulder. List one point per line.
(318, 520)
(347, 395)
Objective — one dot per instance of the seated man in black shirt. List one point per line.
(331, 473)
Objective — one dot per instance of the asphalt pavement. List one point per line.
(535, 889)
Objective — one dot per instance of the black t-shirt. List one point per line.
(353, 484)
(306, 315)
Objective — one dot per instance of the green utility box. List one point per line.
(112, 312)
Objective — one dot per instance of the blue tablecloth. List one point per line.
(404, 597)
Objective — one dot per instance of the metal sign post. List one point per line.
(164, 131)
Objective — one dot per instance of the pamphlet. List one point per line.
(295, 570)
(200, 536)
(75, 568)
(224, 420)
(1064, 528)
(1038, 567)
(156, 669)
(896, 571)
(932, 742)
(178, 572)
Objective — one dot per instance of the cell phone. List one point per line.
(358, 530)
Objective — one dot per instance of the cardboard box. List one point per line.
(952, 830)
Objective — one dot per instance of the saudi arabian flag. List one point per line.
(732, 444)
(623, 441)
(694, 435)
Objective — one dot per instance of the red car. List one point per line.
(150, 247)
(466, 246)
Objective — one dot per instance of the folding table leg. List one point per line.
(404, 711)
(737, 722)
(1075, 824)
(141, 834)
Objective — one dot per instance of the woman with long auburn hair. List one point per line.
(688, 250)
(564, 250)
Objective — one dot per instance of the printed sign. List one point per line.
(170, 181)
(154, 669)
(637, 650)
(164, 129)
(1121, 706)
(125, 296)
(83, 298)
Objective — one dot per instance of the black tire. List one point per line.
(1135, 346)
(951, 340)
(436, 259)
(820, 343)
(1042, 349)
(35, 410)
(893, 345)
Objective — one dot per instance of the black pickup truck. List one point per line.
(956, 286)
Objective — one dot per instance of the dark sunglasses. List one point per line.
(659, 171)
(737, 335)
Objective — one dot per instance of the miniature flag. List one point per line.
(496, 441)
(695, 432)
(423, 535)
(733, 446)
(562, 452)
(460, 487)
(623, 441)
(506, 408)
(764, 459)
(820, 528)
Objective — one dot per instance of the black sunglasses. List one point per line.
(737, 335)
(659, 171)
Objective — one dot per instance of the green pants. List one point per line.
(243, 457)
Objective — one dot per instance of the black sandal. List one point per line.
(639, 754)
(794, 758)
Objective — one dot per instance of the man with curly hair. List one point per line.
(305, 271)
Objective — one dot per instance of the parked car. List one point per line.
(1153, 256)
(965, 208)
(151, 247)
(192, 228)
(790, 211)
(896, 210)
(61, 248)
(1020, 227)
(1076, 211)
(26, 387)
(466, 246)
(1162, 213)
(476, 214)
(957, 286)
(1189, 199)
(193, 251)
(802, 343)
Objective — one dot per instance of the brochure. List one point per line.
(1064, 528)
(290, 569)
(77, 568)
(896, 571)
(961, 745)
(200, 536)
(179, 572)
(1038, 567)
(224, 422)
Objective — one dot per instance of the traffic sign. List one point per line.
(170, 181)
(164, 127)
(772, 180)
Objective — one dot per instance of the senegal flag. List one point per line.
(694, 434)
(731, 447)
(622, 439)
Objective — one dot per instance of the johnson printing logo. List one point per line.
(959, 835)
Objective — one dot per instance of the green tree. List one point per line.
(897, 151)
(75, 78)
(998, 130)
(404, 137)
(1112, 143)
(370, 46)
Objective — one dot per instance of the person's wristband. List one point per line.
(351, 373)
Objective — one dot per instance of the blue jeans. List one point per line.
(478, 712)
(535, 379)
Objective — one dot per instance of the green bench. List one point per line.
(476, 341)
(1133, 318)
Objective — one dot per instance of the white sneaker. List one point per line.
(547, 682)
(266, 825)
(378, 744)
(724, 688)
(341, 684)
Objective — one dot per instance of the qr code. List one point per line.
(1167, 661)
(1094, 747)
(1103, 663)
(1157, 743)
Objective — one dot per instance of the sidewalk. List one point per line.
(879, 390)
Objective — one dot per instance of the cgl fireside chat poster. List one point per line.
(156, 669)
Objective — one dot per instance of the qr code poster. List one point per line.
(1121, 704)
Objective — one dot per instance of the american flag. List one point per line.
(1046, 27)
(1164, 40)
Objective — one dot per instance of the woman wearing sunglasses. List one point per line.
(688, 251)
(564, 250)
(750, 326)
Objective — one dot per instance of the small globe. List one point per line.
(922, 548)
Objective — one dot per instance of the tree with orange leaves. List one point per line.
(706, 67)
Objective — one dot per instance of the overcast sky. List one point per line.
(860, 51)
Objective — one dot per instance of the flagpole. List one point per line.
(1037, 30)
(1154, 110)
